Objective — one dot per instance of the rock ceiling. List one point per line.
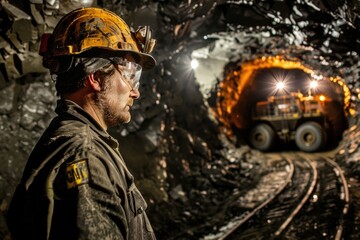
(322, 34)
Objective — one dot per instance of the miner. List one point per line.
(76, 184)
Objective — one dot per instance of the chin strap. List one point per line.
(143, 39)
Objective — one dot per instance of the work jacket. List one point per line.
(76, 185)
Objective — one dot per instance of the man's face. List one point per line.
(116, 98)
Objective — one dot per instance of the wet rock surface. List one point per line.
(187, 168)
(202, 201)
(348, 156)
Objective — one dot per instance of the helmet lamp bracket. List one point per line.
(144, 40)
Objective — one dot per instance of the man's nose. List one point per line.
(135, 93)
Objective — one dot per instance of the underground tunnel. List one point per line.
(256, 81)
(187, 144)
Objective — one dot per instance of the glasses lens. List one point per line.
(131, 72)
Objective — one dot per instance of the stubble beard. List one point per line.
(111, 117)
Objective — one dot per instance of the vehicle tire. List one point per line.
(310, 137)
(262, 137)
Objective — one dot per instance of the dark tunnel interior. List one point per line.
(187, 144)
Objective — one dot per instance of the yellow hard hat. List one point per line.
(96, 32)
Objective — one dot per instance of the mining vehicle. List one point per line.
(291, 117)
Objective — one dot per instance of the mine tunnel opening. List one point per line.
(271, 103)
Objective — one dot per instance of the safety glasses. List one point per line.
(129, 71)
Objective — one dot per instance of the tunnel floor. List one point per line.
(261, 209)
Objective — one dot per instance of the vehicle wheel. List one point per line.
(310, 137)
(262, 137)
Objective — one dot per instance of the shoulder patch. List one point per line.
(77, 173)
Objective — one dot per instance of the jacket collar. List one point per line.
(69, 109)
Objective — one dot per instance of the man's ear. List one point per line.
(93, 82)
